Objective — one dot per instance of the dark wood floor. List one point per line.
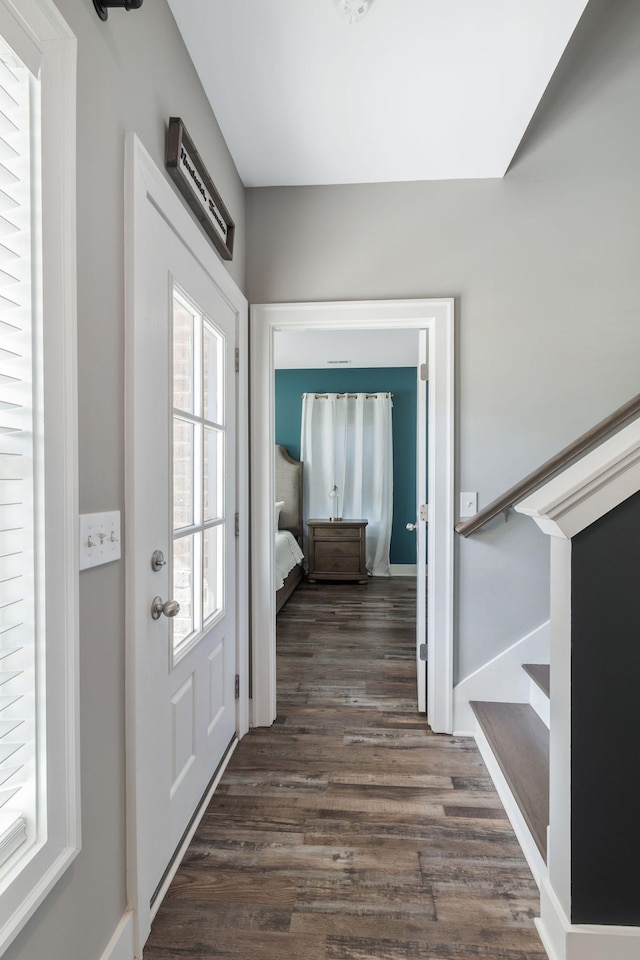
(348, 831)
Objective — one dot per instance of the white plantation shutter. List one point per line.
(19, 504)
(39, 690)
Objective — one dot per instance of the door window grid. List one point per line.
(198, 434)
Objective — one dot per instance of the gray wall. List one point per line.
(133, 73)
(544, 268)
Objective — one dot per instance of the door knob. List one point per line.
(159, 606)
(411, 526)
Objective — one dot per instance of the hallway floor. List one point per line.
(347, 830)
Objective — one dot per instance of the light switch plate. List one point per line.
(99, 538)
(468, 504)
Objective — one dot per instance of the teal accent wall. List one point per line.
(401, 382)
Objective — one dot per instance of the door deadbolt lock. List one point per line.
(159, 606)
(157, 561)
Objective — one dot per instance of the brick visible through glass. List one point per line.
(183, 623)
(183, 322)
(182, 473)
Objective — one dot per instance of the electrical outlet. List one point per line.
(468, 504)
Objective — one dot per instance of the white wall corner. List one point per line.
(568, 941)
(501, 679)
(121, 945)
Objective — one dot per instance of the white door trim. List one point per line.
(422, 485)
(437, 316)
(145, 183)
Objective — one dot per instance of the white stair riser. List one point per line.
(502, 679)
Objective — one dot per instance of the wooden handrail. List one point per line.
(542, 473)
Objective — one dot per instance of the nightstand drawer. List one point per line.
(348, 548)
(337, 565)
(337, 531)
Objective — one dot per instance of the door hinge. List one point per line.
(237, 525)
(237, 686)
(423, 651)
(237, 359)
(424, 371)
(424, 511)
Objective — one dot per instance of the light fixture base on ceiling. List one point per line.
(102, 6)
(353, 11)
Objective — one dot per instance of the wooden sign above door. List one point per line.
(196, 186)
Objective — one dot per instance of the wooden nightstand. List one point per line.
(337, 550)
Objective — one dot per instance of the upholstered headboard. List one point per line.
(289, 489)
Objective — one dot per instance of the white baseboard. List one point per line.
(403, 569)
(569, 941)
(532, 855)
(121, 945)
(501, 678)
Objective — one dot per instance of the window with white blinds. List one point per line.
(39, 689)
(19, 493)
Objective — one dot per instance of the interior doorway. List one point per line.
(352, 406)
(432, 319)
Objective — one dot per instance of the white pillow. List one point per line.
(279, 506)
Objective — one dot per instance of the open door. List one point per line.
(182, 656)
(420, 523)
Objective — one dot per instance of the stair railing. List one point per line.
(514, 494)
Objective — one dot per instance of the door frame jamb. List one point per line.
(436, 316)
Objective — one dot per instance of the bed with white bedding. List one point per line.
(288, 552)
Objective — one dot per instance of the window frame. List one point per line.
(39, 35)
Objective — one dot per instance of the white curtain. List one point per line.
(346, 440)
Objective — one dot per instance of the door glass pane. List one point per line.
(213, 474)
(183, 473)
(183, 592)
(199, 439)
(212, 579)
(183, 355)
(213, 380)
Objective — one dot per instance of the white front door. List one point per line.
(181, 538)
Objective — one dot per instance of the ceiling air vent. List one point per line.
(338, 363)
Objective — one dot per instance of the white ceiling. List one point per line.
(419, 90)
(314, 349)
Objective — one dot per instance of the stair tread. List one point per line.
(520, 743)
(540, 673)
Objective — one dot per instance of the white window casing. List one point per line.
(39, 738)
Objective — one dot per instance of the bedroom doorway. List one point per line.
(351, 405)
(432, 319)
